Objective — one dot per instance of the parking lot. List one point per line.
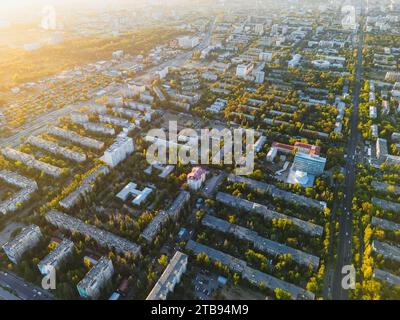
(205, 284)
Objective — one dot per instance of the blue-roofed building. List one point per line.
(115, 296)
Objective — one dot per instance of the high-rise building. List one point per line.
(275, 29)
(243, 70)
(117, 152)
(259, 29)
(310, 163)
(187, 42)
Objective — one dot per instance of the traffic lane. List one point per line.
(24, 290)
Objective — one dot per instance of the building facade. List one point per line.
(90, 286)
(117, 152)
(309, 163)
(196, 178)
(27, 239)
(170, 277)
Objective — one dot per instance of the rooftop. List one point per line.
(104, 238)
(161, 288)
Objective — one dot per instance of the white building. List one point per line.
(260, 143)
(373, 112)
(381, 149)
(259, 77)
(79, 117)
(321, 64)
(272, 153)
(119, 150)
(56, 257)
(170, 277)
(259, 29)
(374, 131)
(188, 42)
(163, 72)
(96, 278)
(217, 106)
(27, 239)
(26, 189)
(119, 54)
(130, 190)
(265, 56)
(395, 136)
(243, 70)
(196, 178)
(393, 160)
(295, 61)
(275, 29)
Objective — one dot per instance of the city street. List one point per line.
(21, 288)
(345, 219)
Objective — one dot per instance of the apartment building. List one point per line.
(170, 278)
(90, 286)
(54, 259)
(102, 237)
(28, 187)
(310, 163)
(25, 240)
(196, 178)
(119, 150)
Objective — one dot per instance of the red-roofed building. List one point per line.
(286, 148)
(196, 178)
(307, 148)
(281, 147)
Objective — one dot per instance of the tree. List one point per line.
(236, 279)
(281, 294)
(163, 260)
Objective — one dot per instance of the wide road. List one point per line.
(22, 289)
(345, 220)
(38, 125)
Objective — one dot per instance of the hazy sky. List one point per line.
(9, 9)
